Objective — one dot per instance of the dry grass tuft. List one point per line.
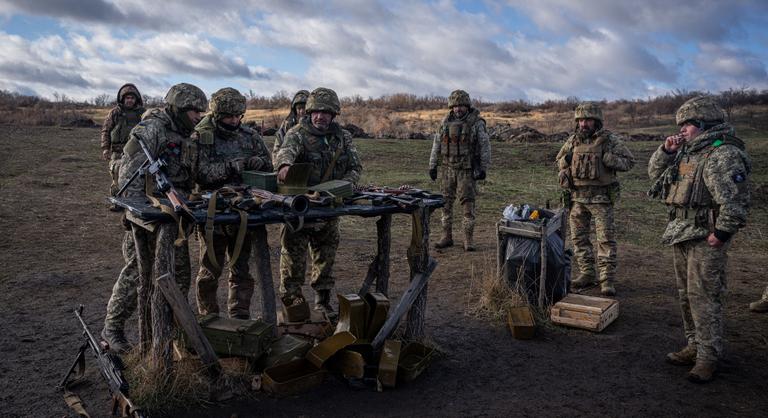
(491, 297)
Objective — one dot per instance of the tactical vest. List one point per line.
(126, 120)
(327, 154)
(587, 168)
(688, 190)
(457, 146)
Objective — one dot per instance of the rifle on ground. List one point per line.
(162, 183)
(111, 368)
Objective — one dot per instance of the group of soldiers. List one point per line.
(701, 174)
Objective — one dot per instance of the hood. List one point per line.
(129, 88)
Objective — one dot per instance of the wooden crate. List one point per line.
(586, 312)
(521, 322)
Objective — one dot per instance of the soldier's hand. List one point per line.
(236, 166)
(673, 143)
(479, 175)
(105, 154)
(282, 173)
(254, 163)
(433, 173)
(713, 241)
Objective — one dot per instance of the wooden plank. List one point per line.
(563, 314)
(161, 353)
(144, 290)
(418, 260)
(264, 275)
(186, 319)
(520, 232)
(417, 284)
(383, 244)
(521, 322)
(589, 303)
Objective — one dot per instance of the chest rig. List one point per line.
(587, 168)
(457, 142)
(126, 120)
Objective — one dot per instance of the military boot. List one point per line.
(684, 357)
(116, 340)
(584, 280)
(323, 303)
(468, 246)
(607, 288)
(703, 371)
(446, 240)
(759, 306)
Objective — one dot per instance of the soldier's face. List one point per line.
(233, 120)
(689, 131)
(587, 125)
(129, 101)
(321, 120)
(194, 116)
(460, 111)
(300, 111)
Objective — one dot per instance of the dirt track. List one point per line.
(60, 247)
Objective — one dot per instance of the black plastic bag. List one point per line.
(522, 267)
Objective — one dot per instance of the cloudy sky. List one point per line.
(497, 50)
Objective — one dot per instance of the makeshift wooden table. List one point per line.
(155, 316)
(553, 221)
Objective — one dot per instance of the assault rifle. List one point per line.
(403, 196)
(111, 368)
(252, 197)
(162, 183)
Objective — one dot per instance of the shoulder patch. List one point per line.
(717, 143)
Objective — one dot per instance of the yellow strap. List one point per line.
(240, 237)
(209, 230)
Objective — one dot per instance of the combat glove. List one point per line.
(480, 175)
(236, 166)
(433, 173)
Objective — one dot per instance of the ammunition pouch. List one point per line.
(702, 217)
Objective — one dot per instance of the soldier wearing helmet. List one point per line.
(320, 141)
(588, 163)
(702, 174)
(221, 149)
(117, 125)
(297, 112)
(462, 147)
(165, 132)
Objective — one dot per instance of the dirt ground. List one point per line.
(60, 247)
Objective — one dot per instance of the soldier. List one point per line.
(318, 140)
(760, 305)
(117, 125)
(165, 132)
(588, 163)
(702, 175)
(463, 148)
(221, 149)
(297, 112)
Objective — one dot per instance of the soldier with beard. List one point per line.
(588, 163)
(221, 149)
(320, 141)
(297, 112)
(702, 174)
(117, 125)
(462, 147)
(165, 132)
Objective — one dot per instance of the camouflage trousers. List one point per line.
(322, 240)
(114, 172)
(240, 279)
(580, 219)
(701, 285)
(124, 299)
(458, 182)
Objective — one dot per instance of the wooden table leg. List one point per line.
(418, 259)
(144, 291)
(543, 261)
(162, 316)
(383, 244)
(264, 276)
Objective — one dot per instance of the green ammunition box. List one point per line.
(284, 349)
(414, 359)
(236, 337)
(336, 188)
(261, 180)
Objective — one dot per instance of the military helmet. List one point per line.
(299, 98)
(700, 108)
(588, 110)
(184, 96)
(323, 99)
(459, 98)
(227, 101)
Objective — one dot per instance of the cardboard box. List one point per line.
(586, 312)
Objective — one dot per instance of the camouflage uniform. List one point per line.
(306, 144)
(588, 165)
(300, 98)
(706, 188)
(462, 147)
(165, 132)
(219, 154)
(117, 125)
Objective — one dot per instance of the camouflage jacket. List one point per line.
(616, 157)
(212, 149)
(117, 118)
(305, 144)
(725, 174)
(164, 140)
(480, 143)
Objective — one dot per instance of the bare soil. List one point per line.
(60, 247)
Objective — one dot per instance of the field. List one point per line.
(61, 248)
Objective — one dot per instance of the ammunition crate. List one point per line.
(236, 337)
(261, 180)
(586, 312)
(336, 188)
